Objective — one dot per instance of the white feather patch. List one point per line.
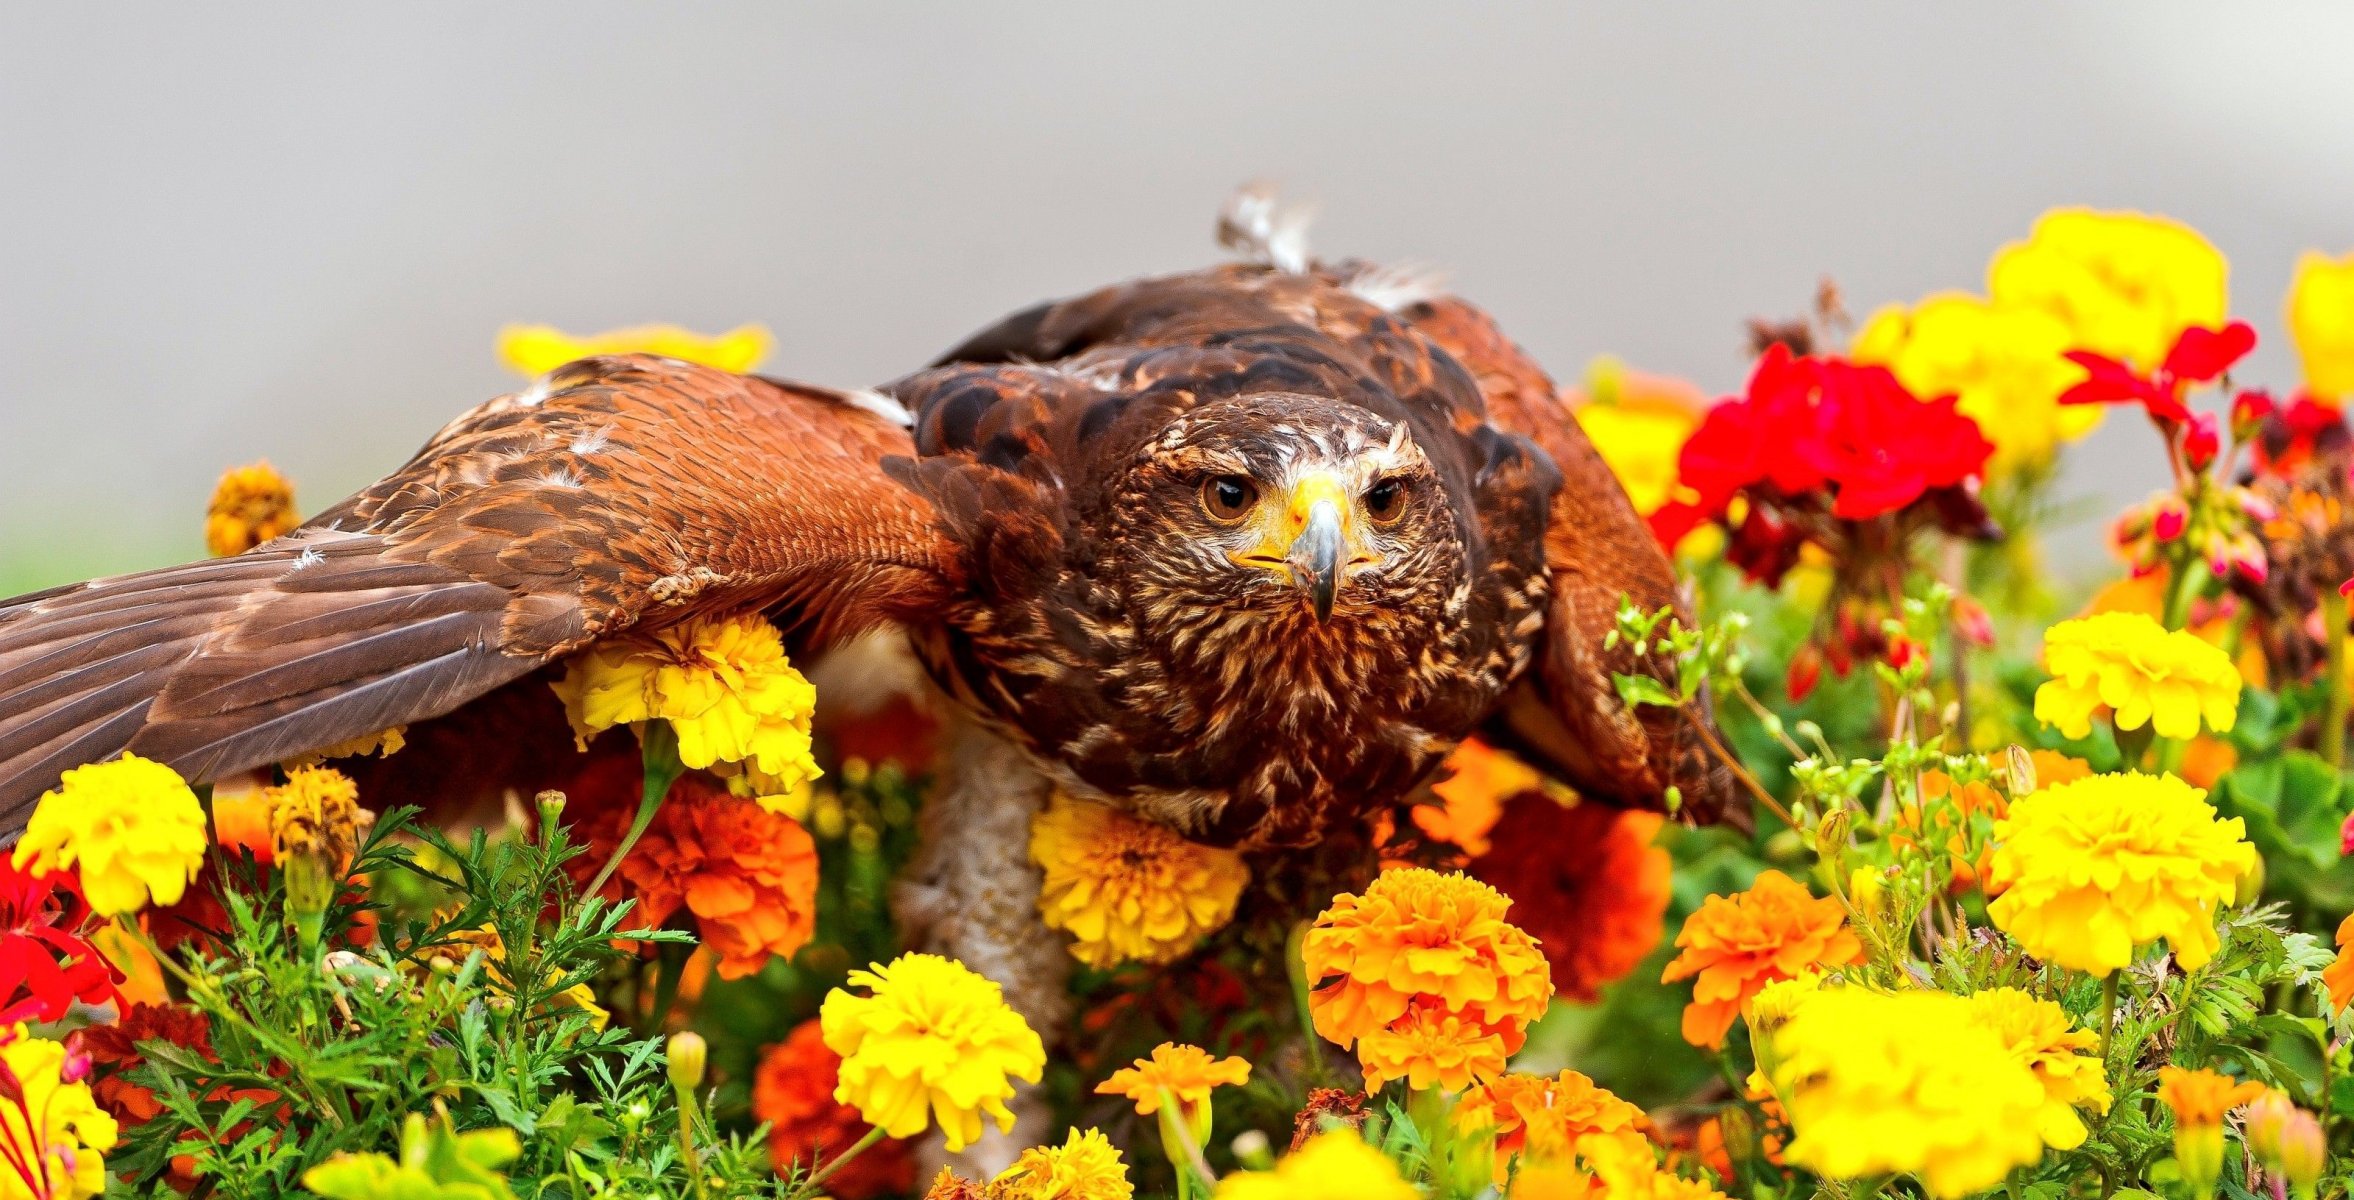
(1398, 287)
(880, 405)
(1264, 230)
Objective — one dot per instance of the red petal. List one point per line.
(2201, 354)
(2106, 381)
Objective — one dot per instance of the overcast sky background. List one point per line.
(292, 231)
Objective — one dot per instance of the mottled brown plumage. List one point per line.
(1053, 534)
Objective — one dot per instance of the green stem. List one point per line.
(1296, 965)
(2333, 719)
(809, 1186)
(1194, 1176)
(2189, 577)
(686, 1139)
(662, 769)
(2108, 1014)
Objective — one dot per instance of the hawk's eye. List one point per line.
(1229, 497)
(1385, 501)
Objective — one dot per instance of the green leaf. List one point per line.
(1637, 690)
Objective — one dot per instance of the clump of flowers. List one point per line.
(251, 505)
(1733, 946)
(2143, 673)
(1085, 1167)
(52, 1133)
(1536, 1117)
(1331, 1166)
(723, 684)
(2002, 365)
(539, 349)
(1425, 971)
(2063, 1057)
(45, 962)
(2089, 870)
(1589, 886)
(930, 1040)
(1128, 889)
(130, 828)
(793, 1094)
(1911, 1082)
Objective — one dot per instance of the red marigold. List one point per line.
(1585, 881)
(45, 962)
(793, 1090)
(1738, 944)
(115, 1049)
(748, 875)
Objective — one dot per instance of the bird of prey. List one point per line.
(1245, 551)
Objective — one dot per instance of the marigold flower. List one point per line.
(2053, 768)
(55, 1133)
(1912, 1081)
(1126, 888)
(1084, 1167)
(1539, 1118)
(723, 683)
(241, 818)
(1735, 945)
(1638, 423)
(116, 1046)
(1186, 1072)
(1418, 947)
(2142, 672)
(539, 349)
(316, 812)
(2125, 284)
(250, 505)
(1433, 1047)
(1626, 1168)
(1332, 1166)
(383, 743)
(1587, 883)
(2338, 977)
(2321, 320)
(2001, 364)
(2089, 870)
(132, 827)
(1478, 780)
(749, 876)
(1771, 1007)
(45, 963)
(929, 1034)
(2065, 1059)
(2201, 1097)
(793, 1093)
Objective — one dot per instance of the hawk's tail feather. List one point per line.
(219, 666)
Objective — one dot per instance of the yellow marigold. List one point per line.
(1912, 1081)
(930, 1034)
(2064, 1058)
(1084, 1167)
(2201, 1097)
(2125, 284)
(2321, 320)
(2338, 977)
(2142, 672)
(1626, 1168)
(2002, 364)
(539, 349)
(250, 505)
(1128, 889)
(2089, 870)
(1771, 1007)
(132, 826)
(1545, 1118)
(316, 811)
(723, 683)
(1336, 1165)
(383, 743)
(1187, 1072)
(1736, 945)
(1638, 424)
(57, 1155)
(1416, 947)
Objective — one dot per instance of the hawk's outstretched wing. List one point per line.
(617, 492)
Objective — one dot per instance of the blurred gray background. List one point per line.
(229, 232)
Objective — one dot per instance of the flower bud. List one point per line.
(2346, 837)
(2265, 1118)
(1738, 1132)
(2169, 523)
(2248, 410)
(1831, 834)
(2201, 443)
(1806, 670)
(2198, 1154)
(76, 1066)
(551, 808)
(2304, 1152)
(1868, 890)
(2250, 887)
(1970, 620)
(687, 1054)
(1252, 1150)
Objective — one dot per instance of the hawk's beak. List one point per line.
(1317, 554)
(1309, 540)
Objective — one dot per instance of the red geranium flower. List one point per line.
(45, 963)
(2199, 355)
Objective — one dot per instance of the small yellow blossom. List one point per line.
(384, 743)
(2089, 870)
(539, 349)
(2142, 672)
(723, 683)
(1336, 1165)
(59, 1156)
(1771, 1007)
(1129, 889)
(317, 812)
(132, 826)
(929, 1035)
(2002, 364)
(1913, 1081)
(1638, 424)
(2321, 320)
(2198, 1100)
(1084, 1167)
(2063, 1057)
(1187, 1073)
(2125, 284)
(251, 505)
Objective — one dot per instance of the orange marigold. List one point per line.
(748, 875)
(1433, 1047)
(1545, 1117)
(1188, 1072)
(1737, 944)
(1418, 947)
(793, 1091)
(1586, 882)
(1478, 780)
(251, 505)
(2201, 1097)
(2338, 977)
(2053, 768)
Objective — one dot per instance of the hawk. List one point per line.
(1245, 551)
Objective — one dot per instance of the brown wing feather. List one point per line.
(1567, 712)
(621, 492)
